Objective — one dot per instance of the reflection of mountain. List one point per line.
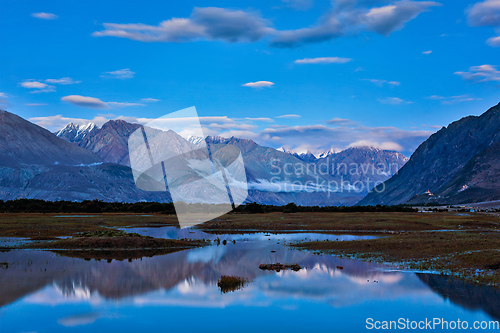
(31, 271)
(466, 295)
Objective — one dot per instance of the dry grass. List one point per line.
(474, 255)
(229, 283)
(350, 222)
(47, 226)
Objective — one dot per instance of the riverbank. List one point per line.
(470, 254)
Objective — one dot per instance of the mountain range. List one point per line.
(35, 163)
(90, 162)
(458, 164)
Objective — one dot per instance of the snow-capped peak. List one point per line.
(196, 140)
(326, 153)
(74, 132)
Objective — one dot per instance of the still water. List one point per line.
(42, 291)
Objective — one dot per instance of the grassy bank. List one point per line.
(352, 222)
(470, 254)
(38, 226)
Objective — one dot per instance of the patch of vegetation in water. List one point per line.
(230, 283)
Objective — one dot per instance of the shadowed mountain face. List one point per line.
(458, 164)
(271, 173)
(95, 165)
(109, 142)
(24, 143)
(35, 163)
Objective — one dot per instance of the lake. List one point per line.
(41, 291)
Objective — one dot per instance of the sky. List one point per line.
(303, 74)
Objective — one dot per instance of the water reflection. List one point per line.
(73, 292)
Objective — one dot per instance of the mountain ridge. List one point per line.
(438, 160)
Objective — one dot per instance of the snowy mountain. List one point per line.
(76, 133)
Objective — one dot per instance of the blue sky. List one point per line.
(311, 74)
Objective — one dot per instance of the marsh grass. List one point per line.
(473, 255)
(230, 283)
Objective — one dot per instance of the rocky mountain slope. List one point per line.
(109, 142)
(458, 164)
(271, 173)
(35, 163)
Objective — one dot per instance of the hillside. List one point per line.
(458, 164)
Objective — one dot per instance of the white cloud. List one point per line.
(63, 81)
(341, 122)
(298, 4)
(45, 16)
(393, 101)
(345, 18)
(35, 104)
(387, 19)
(483, 73)
(324, 60)
(3, 95)
(54, 123)
(494, 41)
(384, 145)
(33, 84)
(147, 100)
(96, 103)
(380, 83)
(453, 99)
(485, 13)
(264, 119)
(427, 52)
(121, 74)
(259, 84)
(124, 104)
(289, 116)
(343, 135)
(39, 87)
(204, 23)
(86, 102)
